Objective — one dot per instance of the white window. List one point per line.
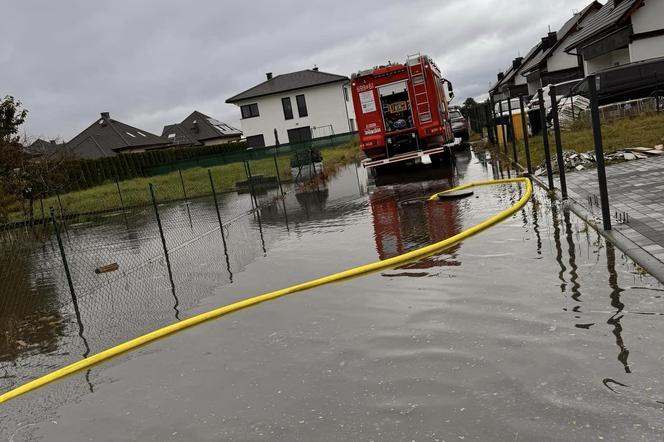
(131, 135)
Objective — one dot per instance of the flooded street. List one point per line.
(536, 329)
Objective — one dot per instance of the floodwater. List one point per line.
(534, 330)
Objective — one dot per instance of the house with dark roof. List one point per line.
(552, 64)
(295, 107)
(622, 32)
(107, 137)
(45, 149)
(200, 130)
(510, 82)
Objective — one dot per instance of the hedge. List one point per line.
(88, 173)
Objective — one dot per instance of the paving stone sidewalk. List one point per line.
(636, 188)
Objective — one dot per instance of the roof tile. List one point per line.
(288, 82)
(605, 19)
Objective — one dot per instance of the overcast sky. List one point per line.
(151, 62)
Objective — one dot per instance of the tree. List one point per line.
(27, 176)
(468, 106)
(12, 116)
(15, 175)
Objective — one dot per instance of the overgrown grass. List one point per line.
(337, 157)
(135, 192)
(642, 131)
(475, 136)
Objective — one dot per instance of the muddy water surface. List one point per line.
(535, 329)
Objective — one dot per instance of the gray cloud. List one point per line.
(151, 62)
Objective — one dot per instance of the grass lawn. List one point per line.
(643, 131)
(169, 187)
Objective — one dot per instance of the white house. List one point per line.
(622, 32)
(297, 107)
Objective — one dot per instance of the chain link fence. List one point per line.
(106, 264)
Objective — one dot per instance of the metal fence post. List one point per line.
(184, 189)
(249, 182)
(186, 198)
(489, 125)
(502, 126)
(511, 120)
(117, 184)
(62, 213)
(494, 127)
(74, 299)
(545, 137)
(251, 185)
(124, 212)
(599, 151)
(276, 168)
(161, 234)
(62, 253)
(559, 146)
(216, 206)
(524, 126)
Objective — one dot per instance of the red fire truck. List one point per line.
(402, 112)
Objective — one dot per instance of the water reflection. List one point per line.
(616, 303)
(312, 200)
(615, 290)
(568, 274)
(576, 294)
(571, 251)
(260, 231)
(535, 213)
(559, 251)
(403, 219)
(30, 320)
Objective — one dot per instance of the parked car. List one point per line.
(460, 125)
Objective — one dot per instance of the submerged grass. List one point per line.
(643, 131)
(135, 191)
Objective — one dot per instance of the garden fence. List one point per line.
(92, 272)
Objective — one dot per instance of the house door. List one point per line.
(299, 135)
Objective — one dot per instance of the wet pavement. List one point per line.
(536, 329)
(637, 205)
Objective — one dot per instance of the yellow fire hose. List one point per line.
(221, 311)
